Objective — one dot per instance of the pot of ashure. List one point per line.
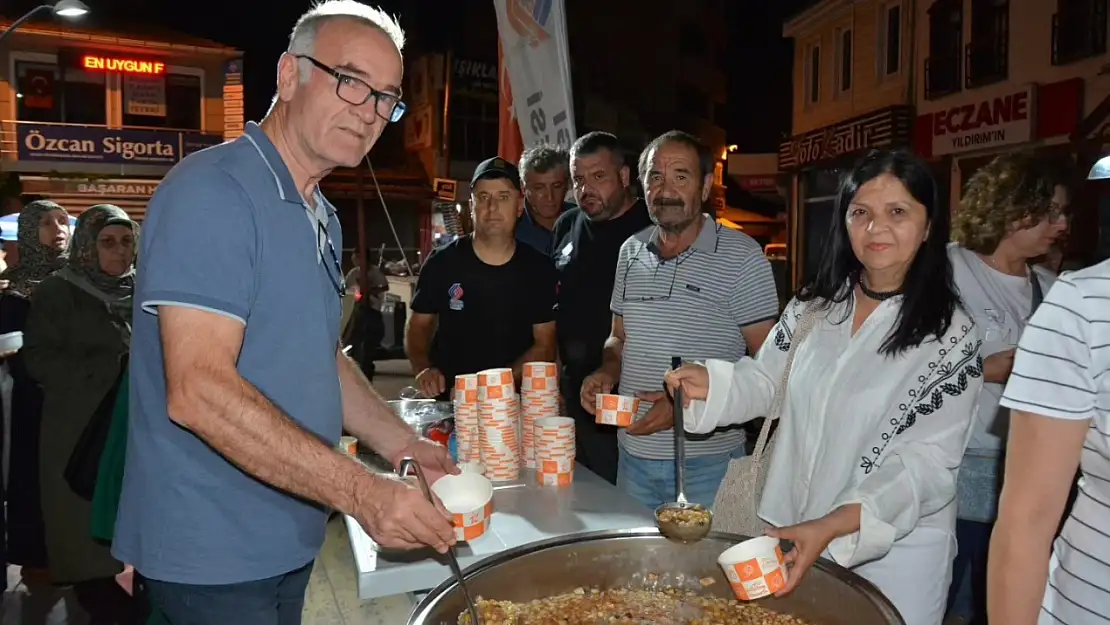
(683, 580)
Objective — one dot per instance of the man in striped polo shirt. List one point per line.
(684, 287)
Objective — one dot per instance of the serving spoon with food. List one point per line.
(452, 558)
(682, 520)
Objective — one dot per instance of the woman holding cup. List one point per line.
(878, 401)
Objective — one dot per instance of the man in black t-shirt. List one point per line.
(482, 301)
(587, 241)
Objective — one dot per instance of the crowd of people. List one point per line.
(937, 384)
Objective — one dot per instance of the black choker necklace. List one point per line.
(878, 296)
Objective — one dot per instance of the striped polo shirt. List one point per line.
(691, 306)
(1061, 372)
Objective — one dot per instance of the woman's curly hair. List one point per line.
(1011, 192)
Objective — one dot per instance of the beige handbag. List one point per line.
(737, 503)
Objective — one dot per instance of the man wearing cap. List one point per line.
(482, 301)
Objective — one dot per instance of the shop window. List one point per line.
(46, 93)
(844, 59)
(473, 129)
(890, 40)
(183, 104)
(943, 66)
(1078, 30)
(813, 74)
(988, 53)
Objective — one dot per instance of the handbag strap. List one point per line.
(1038, 290)
(805, 324)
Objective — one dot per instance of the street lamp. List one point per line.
(63, 8)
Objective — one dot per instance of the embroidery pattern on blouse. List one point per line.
(946, 377)
(784, 332)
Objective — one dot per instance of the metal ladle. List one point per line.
(686, 532)
(452, 557)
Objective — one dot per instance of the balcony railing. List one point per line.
(1079, 33)
(987, 60)
(97, 144)
(942, 75)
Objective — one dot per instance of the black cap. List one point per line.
(494, 168)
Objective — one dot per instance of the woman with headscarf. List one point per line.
(43, 239)
(76, 345)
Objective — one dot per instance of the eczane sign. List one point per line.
(982, 124)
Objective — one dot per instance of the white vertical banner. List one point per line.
(534, 45)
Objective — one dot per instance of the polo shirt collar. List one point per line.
(706, 240)
(286, 188)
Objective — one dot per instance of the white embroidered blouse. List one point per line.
(858, 427)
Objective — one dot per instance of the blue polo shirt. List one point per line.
(228, 232)
(534, 235)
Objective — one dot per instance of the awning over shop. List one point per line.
(78, 194)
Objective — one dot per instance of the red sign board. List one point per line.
(96, 62)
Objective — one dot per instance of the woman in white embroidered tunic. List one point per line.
(879, 401)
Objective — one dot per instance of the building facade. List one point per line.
(853, 91)
(90, 117)
(999, 76)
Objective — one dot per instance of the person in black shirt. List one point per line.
(587, 242)
(482, 301)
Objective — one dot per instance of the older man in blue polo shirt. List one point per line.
(239, 389)
(544, 177)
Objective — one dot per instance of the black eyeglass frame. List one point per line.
(396, 112)
(340, 285)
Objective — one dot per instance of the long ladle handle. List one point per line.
(679, 440)
(452, 559)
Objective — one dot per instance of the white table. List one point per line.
(523, 513)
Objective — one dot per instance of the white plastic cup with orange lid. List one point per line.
(617, 410)
(754, 568)
(469, 498)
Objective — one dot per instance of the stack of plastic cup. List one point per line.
(555, 451)
(539, 398)
(499, 425)
(466, 416)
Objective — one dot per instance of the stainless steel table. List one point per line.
(523, 513)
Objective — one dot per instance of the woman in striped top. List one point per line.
(1059, 396)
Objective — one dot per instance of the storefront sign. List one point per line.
(883, 128)
(446, 189)
(117, 188)
(145, 95)
(96, 62)
(475, 76)
(757, 184)
(42, 142)
(234, 116)
(991, 123)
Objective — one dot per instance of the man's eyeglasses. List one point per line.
(340, 284)
(355, 91)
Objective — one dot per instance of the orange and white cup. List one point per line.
(539, 376)
(616, 410)
(496, 384)
(754, 568)
(469, 499)
(555, 451)
(348, 445)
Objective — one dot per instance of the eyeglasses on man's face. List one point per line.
(355, 91)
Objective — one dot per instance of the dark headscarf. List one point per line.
(83, 268)
(36, 261)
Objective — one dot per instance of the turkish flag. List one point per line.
(509, 142)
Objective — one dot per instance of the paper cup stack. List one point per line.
(499, 425)
(554, 451)
(539, 398)
(466, 416)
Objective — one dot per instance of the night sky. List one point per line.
(261, 28)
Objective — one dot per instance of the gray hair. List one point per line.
(542, 158)
(302, 41)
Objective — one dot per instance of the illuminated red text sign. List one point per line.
(126, 66)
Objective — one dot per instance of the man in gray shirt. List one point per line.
(684, 287)
(239, 391)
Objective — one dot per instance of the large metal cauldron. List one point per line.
(830, 594)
